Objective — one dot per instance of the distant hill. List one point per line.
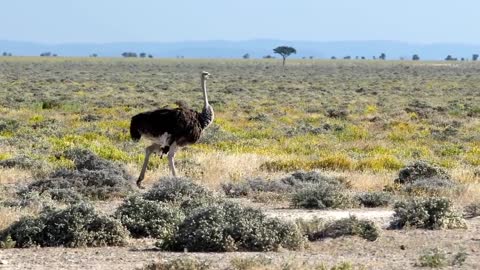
(256, 49)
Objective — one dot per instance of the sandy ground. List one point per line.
(395, 249)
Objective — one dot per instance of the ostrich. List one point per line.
(170, 129)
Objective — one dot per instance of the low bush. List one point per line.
(250, 186)
(347, 226)
(426, 213)
(431, 187)
(182, 192)
(294, 182)
(472, 210)
(420, 170)
(231, 227)
(322, 196)
(145, 218)
(75, 226)
(374, 199)
(302, 178)
(22, 162)
(92, 177)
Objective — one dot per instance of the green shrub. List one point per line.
(179, 264)
(373, 199)
(75, 226)
(347, 226)
(7, 242)
(472, 210)
(231, 227)
(322, 196)
(182, 192)
(92, 177)
(426, 213)
(145, 218)
(420, 170)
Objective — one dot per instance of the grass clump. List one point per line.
(426, 213)
(347, 226)
(75, 226)
(179, 264)
(433, 258)
(374, 199)
(92, 177)
(472, 210)
(145, 218)
(231, 227)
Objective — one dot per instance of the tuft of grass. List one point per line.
(188, 263)
(433, 258)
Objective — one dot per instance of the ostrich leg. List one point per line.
(148, 151)
(171, 156)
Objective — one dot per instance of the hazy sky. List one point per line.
(425, 21)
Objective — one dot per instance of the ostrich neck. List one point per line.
(207, 115)
(205, 98)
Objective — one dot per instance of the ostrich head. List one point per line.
(205, 75)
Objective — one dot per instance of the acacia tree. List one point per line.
(284, 51)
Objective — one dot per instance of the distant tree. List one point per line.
(129, 54)
(475, 57)
(462, 59)
(54, 55)
(348, 57)
(143, 55)
(46, 54)
(415, 57)
(285, 52)
(356, 57)
(246, 56)
(150, 56)
(450, 58)
(304, 57)
(93, 55)
(333, 57)
(4, 53)
(268, 57)
(363, 57)
(382, 56)
(311, 57)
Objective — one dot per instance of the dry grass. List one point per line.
(14, 176)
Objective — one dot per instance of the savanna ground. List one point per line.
(362, 120)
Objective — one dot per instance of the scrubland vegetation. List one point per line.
(313, 136)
